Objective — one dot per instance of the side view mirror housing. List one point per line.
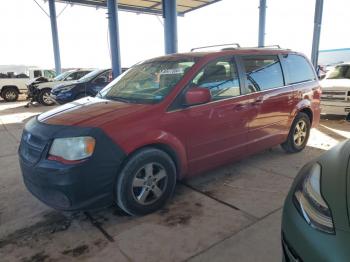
(197, 96)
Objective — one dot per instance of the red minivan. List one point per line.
(165, 119)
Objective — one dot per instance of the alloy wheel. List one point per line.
(47, 99)
(149, 183)
(300, 133)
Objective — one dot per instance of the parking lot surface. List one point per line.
(229, 214)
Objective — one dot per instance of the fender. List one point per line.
(163, 138)
(305, 103)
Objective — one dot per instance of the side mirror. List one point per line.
(69, 78)
(197, 96)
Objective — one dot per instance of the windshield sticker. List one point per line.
(174, 71)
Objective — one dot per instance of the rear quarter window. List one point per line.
(263, 72)
(298, 69)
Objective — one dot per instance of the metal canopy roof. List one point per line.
(146, 6)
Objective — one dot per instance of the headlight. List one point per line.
(311, 204)
(72, 149)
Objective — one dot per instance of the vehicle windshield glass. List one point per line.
(62, 76)
(340, 72)
(90, 75)
(148, 82)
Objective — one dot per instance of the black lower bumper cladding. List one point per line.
(75, 187)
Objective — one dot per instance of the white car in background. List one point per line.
(40, 91)
(335, 99)
(13, 80)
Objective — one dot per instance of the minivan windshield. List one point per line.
(339, 72)
(148, 82)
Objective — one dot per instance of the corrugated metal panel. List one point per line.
(146, 6)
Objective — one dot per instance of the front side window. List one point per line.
(148, 82)
(339, 72)
(37, 73)
(263, 72)
(220, 77)
(298, 69)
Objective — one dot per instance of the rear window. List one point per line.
(263, 72)
(298, 69)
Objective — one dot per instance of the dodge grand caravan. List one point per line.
(166, 119)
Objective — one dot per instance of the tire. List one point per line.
(44, 97)
(10, 94)
(298, 135)
(146, 182)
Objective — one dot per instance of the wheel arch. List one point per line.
(308, 112)
(304, 106)
(168, 144)
(3, 88)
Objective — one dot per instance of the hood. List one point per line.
(90, 112)
(52, 84)
(63, 84)
(335, 84)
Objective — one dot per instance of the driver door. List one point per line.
(216, 131)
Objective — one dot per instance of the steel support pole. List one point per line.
(317, 32)
(55, 42)
(170, 26)
(113, 25)
(262, 23)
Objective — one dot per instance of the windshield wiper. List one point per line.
(118, 98)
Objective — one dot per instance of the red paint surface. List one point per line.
(202, 136)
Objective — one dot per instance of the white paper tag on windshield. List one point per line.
(174, 71)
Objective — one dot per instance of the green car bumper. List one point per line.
(301, 242)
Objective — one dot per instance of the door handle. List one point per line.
(240, 107)
(258, 101)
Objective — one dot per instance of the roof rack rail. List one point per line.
(270, 46)
(202, 47)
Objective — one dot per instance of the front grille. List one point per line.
(31, 147)
(329, 98)
(334, 93)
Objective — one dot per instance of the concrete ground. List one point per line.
(230, 214)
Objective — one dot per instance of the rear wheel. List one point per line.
(44, 97)
(146, 182)
(10, 94)
(298, 134)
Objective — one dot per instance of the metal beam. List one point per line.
(113, 25)
(317, 32)
(262, 23)
(170, 26)
(55, 42)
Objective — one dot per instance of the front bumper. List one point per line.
(301, 242)
(76, 187)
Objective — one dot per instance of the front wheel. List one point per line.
(146, 182)
(44, 97)
(298, 134)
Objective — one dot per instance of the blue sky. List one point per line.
(26, 36)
